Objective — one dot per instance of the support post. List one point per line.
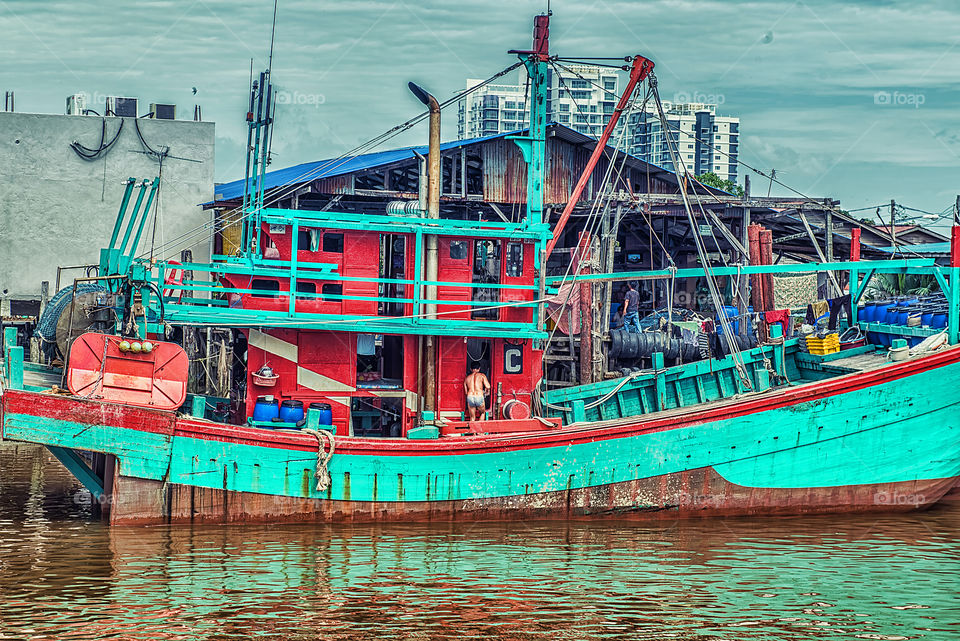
(953, 295)
(855, 244)
(893, 223)
(743, 286)
(756, 281)
(9, 340)
(586, 320)
(79, 468)
(660, 384)
(766, 258)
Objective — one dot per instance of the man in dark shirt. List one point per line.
(631, 304)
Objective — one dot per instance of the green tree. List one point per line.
(713, 180)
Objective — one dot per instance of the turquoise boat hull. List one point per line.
(884, 439)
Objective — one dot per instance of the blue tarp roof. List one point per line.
(337, 167)
(921, 248)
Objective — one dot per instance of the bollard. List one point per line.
(9, 340)
(199, 407)
(15, 368)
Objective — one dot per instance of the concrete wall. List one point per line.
(59, 209)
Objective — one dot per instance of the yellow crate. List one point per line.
(824, 352)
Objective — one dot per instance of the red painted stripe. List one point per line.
(96, 412)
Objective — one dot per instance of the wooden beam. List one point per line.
(816, 246)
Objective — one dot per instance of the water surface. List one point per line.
(64, 575)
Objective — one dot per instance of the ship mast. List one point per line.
(533, 145)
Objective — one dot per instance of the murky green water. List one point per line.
(64, 575)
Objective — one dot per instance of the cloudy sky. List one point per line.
(856, 100)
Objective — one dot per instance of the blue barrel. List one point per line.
(868, 311)
(903, 315)
(266, 409)
(880, 311)
(731, 312)
(926, 315)
(291, 411)
(939, 318)
(326, 414)
(893, 313)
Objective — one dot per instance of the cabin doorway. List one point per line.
(479, 351)
(393, 249)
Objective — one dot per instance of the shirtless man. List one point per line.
(476, 386)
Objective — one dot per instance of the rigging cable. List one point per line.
(682, 176)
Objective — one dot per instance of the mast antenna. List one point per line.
(273, 32)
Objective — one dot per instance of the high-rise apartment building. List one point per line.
(583, 97)
(704, 141)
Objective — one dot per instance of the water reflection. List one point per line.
(65, 576)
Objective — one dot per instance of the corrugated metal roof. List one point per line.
(330, 167)
(309, 171)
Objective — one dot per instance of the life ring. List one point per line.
(173, 277)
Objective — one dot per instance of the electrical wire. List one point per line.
(237, 214)
(92, 154)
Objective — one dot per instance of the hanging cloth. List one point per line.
(315, 237)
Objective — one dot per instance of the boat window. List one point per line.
(265, 288)
(306, 288)
(458, 249)
(331, 289)
(377, 417)
(486, 271)
(514, 259)
(392, 254)
(308, 239)
(333, 243)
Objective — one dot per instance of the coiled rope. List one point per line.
(322, 474)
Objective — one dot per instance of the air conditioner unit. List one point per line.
(76, 104)
(126, 107)
(163, 112)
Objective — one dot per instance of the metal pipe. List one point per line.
(123, 210)
(143, 219)
(433, 211)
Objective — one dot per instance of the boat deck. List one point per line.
(40, 377)
(862, 362)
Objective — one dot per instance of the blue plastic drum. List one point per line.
(326, 413)
(291, 411)
(266, 409)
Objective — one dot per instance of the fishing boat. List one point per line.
(361, 328)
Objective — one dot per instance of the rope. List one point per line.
(683, 177)
(103, 363)
(323, 457)
(603, 399)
